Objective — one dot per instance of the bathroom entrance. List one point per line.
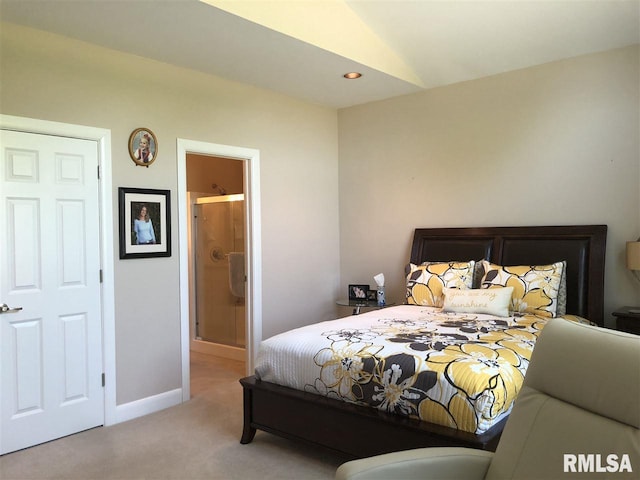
(217, 216)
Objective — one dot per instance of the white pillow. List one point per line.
(493, 301)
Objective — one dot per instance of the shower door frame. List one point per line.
(196, 344)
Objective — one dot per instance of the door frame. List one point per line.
(103, 139)
(253, 247)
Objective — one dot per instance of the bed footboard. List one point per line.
(351, 430)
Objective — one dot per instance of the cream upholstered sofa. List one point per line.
(577, 416)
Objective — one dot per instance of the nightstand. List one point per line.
(628, 319)
(358, 304)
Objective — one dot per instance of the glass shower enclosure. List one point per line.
(219, 271)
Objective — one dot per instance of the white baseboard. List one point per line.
(224, 351)
(145, 406)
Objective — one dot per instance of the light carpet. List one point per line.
(198, 439)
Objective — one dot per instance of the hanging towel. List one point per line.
(236, 274)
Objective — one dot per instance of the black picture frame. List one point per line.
(358, 292)
(156, 230)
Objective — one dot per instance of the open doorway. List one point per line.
(215, 173)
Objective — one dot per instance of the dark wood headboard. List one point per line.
(581, 246)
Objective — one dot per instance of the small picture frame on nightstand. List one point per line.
(358, 292)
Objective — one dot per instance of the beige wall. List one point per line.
(204, 171)
(48, 77)
(551, 145)
(555, 144)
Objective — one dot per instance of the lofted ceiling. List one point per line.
(302, 48)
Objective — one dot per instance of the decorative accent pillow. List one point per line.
(425, 282)
(562, 292)
(478, 273)
(578, 319)
(535, 287)
(493, 301)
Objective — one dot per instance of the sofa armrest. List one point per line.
(439, 463)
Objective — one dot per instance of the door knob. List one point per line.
(4, 308)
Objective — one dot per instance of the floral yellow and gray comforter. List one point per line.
(453, 369)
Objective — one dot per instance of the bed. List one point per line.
(305, 409)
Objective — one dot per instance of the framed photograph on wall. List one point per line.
(358, 292)
(145, 223)
(143, 147)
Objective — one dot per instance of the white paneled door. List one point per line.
(51, 327)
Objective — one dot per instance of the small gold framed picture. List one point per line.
(143, 147)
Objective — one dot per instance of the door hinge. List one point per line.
(100, 275)
(103, 380)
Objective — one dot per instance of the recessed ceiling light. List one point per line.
(352, 75)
